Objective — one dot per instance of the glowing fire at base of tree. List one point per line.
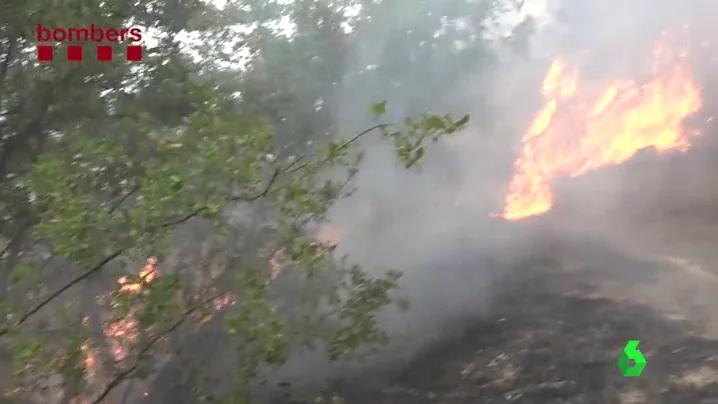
(577, 132)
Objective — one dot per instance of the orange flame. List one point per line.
(147, 275)
(570, 137)
(123, 334)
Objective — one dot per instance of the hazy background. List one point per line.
(435, 224)
(306, 71)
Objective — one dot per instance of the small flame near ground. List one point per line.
(146, 275)
(574, 133)
(123, 334)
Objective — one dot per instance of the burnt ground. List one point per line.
(562, 318)
(559, 326)
(557, 331)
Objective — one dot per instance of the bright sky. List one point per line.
(540, 10)
(284, 26)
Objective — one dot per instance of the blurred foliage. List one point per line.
(103, 164)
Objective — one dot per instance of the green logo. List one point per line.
(631, 353)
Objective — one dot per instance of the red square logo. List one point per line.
(104, 53)
(134, 53)
(74, 53)
(45, 53)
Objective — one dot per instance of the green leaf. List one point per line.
(176, 183)
(463, 120)
(378, 109)
(177, 125)
(434, 122)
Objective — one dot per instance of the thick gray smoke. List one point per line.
(432, 223)
(435, 225)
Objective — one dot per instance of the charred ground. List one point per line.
(557, 331)
(564, 314)
(645, 269)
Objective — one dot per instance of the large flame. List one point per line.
(571, 135)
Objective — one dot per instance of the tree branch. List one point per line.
(91, 271)
(116, 205)
(63, 289)
(267, 189)
(120, 377)
(345, 144)
(7, 248)
(184, 218)
(236, 198)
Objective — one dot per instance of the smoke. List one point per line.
(436, 225)
(432, 223)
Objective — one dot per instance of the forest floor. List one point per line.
(557, 331)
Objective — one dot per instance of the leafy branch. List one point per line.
(120, 377)
(196, 212)
(52, 296)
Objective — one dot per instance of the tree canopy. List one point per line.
(153, 211)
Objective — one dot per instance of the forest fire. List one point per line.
(146, 275)
(577, 132)
(121, 333)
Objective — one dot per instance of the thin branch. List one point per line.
(63, 289)
(236, 198)
(120, 377)
(345, 144)
(190, 215)
(84, 276)
(201, 209)
(123, 198)
(267, 189)
(184, 218)
(7, 248)
(294, 163)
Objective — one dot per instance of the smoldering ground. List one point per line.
(435, 224)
